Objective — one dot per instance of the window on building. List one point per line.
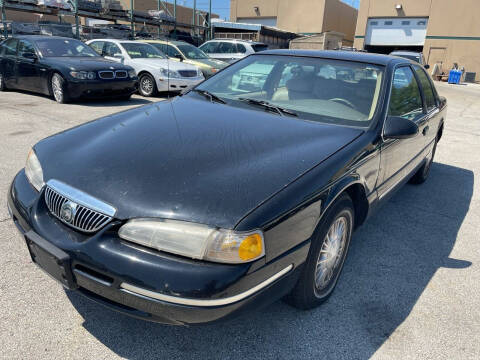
(405, 22)
(373, 23)
(388, 23)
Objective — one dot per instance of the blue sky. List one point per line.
(222, 7)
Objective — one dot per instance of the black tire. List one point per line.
(2, 83)
(147, 86)
(59, 89)
(306, 294)
(422, 174)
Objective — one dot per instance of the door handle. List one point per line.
(425, 130)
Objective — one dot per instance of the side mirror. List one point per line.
(399, 128)
(426, 66)
(29, 55)
(119, 57)
(179, 57)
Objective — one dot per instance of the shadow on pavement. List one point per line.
(391, 260)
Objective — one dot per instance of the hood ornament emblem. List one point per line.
(67, 211)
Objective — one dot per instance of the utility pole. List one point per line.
(158, 8)
(210, 28)
(4, 18)
(75, 10)
(175, 16)
(194, 19)
(132, 23)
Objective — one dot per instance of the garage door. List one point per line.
(396, 31)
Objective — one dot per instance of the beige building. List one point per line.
(306, 17)
(446, 31)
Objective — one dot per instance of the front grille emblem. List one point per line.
(67, 212)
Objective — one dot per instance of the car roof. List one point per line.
(378, 59)
(116, 40)
(238, 40)
(160, 41)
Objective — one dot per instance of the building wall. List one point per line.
(299, 16)
(453, 32)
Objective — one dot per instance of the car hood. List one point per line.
(207, 63)
(85, 63)
(164, 63)
(188, 159)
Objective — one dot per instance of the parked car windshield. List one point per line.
(64, 48)
(324, 90)
(142, 51)
(191, 52)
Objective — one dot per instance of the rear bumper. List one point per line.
(148, 284)
(102, 88)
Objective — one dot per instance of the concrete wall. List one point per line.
(299, 16)
(453, 33)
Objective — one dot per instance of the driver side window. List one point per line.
(111, 49)
(405, 99)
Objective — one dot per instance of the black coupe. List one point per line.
(245, 190)
(64, 68)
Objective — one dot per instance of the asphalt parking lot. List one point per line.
(410, 288)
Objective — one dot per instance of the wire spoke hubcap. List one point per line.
(147, 85)
(331, 252)
(57, 88)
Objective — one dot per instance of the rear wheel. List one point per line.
(422, 174)
(327, 255)
(59, 89)
(147, 86)
(2, 83)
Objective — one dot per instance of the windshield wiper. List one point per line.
(268, 106)
(211, 96)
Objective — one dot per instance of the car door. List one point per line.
(431, 102)
(9, 63)
(400, 157)
(28, 68)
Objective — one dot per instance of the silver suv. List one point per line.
(230, 50)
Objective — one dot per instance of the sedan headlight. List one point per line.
(132, 73)
(169, 73)
(33, 170)
(195, 240)
(83, 75)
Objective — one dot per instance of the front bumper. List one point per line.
(101, 88)
(148, 284)
(182, 84)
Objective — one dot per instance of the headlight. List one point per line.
(33, 170)
(195, 240)
(132, 73)
(83, 75)
(169, 73)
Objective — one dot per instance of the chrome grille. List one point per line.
(187, 73)
(121, 74)
(107, 75)
(71, 207)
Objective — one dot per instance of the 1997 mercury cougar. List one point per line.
(240, 192)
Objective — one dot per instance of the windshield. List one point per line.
(64, 48)
(191, 52)
(409, 57)
(142, 51)
(324, 90)
(259, 47)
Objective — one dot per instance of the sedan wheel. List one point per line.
(147, 85)
(58, 89)
(327, 255)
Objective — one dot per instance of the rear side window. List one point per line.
(405, 99)
(11, 47)
(209, 48)
(241, 49)
(427, 88)
(227, 48)
(259, 47)
(98, 47)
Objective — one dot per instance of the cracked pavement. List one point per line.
(410, 287)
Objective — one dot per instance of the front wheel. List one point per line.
(59, 89)
(147, 86)
(326, 257)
